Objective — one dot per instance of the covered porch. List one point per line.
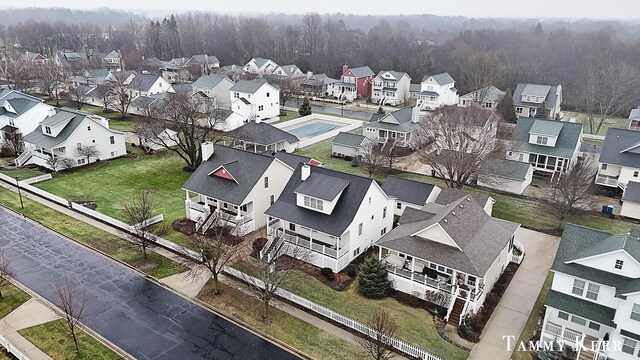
(401, 138)
(548, 163)
(199, 208)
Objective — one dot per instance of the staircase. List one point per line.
(23, 158)
(205, 216)
(456, 312)
(271, 248)
(208, 222)
(585, 352)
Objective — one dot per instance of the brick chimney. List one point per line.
(345, 68)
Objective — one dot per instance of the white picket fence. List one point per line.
(12, 349)
(398, 344)
(37, 179)
(8, 179)
(47, 195)
(592, 137)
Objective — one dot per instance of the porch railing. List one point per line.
(553, 329)
(308, 244)
(22, 159)
(420, 278)
(607, 180)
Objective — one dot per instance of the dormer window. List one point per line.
(47, 130)
(313, 203)
(619, 264)
(542, 140)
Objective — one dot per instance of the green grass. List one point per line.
(112, 183)
(54, 341)
(121, 125)
(289, 115)
(23, 173)
(12, 298)
(611, 122)
(314, 342)
(156, 265)
(532, 323)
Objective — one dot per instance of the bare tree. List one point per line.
(390, 151)
(78, 94)
(53, 162)
(87, 151)
(370, 156)
(311, 29)
(289, 88)
(574, 189)
(384, 328)
(13, 142)
(106, 95)
(72, 305)
(67, 163)
(19, 76)
(6, 272)
(137, 212)
(480, 72)
(120, 92)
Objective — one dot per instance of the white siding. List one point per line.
(630, 209)
(278, 174)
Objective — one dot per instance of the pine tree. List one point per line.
(380, 110)
(506, 108)
(373, 281)
(555, 353)
(305, 108)
(542, 112)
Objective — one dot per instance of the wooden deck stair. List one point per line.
(456, 312)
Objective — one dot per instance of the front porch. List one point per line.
(589, 346)
(201, 209)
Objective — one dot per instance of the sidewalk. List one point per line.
(31, 313)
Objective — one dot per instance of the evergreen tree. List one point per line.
(305, 108)
(555, 353)
(380, 110)
(542, 112)
(373, 281)
(507, 109)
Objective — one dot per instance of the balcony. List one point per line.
(611, 181)
(420, 278)
(306, 242)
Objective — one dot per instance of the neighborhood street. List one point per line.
(137, 315)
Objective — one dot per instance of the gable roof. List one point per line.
(479, 238)
(143, 82)
(566, 143)
(635, 114)
(396, 75)
(549, 92)
(362, 71)
(632, 192)
(261, 61)
(388, 121)
(442, 78)
(246, 168)
(248, 86)
(322, 186)
(546, 127)
(20, 106)
(343, 213)
(262, 133)
(203, 58)
(209, 81)
(509, 169)
(348, 139)
(289, 70)
(492, 93)
(618, 148)
(292, 160)
(580, 307)
(411, 191)
(99, 73)
(451, 195)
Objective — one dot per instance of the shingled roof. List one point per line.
(261, 133)
(568, 137)
(621, 147)
(411, 191)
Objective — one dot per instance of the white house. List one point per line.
(631, 200)
(506, 175)
(436, 91)
(619, 161)
(206, 62)
(290, 71)
(335, 215)
(260, 66)
(391, 88)
(528, 98)
(214, 87)
(112, 61)
(549, 145)
(594, 301)
(20, 112)
(148, 84)
(400, 125)
(255, 99)
(488, 97)
(456, 250)
(65, 133)
(236, 185)
(634, 119)
(347, 145)
(258, 136)
(409, 193)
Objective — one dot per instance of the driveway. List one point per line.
(137, 315)
(513, 310)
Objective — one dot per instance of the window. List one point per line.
(592, 291)
(81, 161)
(635, 174)
(372, 217)
(578, 287)
(261, 107)
(542, 140)
(313, 203)
(563, 315)
(635, 312)
(594, 326)
(272, 199)
(398, 206)
(243, 208)
(266, 182)
(628, 346)
(47, 130)
(356, 252)
(383, 231)
(471, 280)
(510, 153)
(518, 110)
(604, 167)
(369, 199)
(267, 94)
(88, 128)
(113, 153)
(578, 320)
(384, 213)
(112, 140)
(79, 146)
(521, 157)
(360, 229)
(619, 264)
(292, 227)
(236, 95)
(449, 271)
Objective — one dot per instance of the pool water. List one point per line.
(313, 129)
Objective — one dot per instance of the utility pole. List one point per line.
(19, 193)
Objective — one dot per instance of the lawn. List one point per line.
(415, 325)
(612, 122)
(112, 183)
(314, 342)
(532, 323)
(156, 265)
(23, 173)
(289, 115)
(121, 125)
(12, 298)
(54, 341)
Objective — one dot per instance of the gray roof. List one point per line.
(580, 307)
(20, 105)
(246, 167)
(187, 88)
(509, 169)
(201, 59)
(261, 133)
(451, 195)
(99, 73)
(621, 147)
(632, 192)
(579, 241)
(397, 75)
(492, 93)
(248, 86)
(58, 118)
(143, 82)
(429, 93)
(289, 69)
(414, 88)
(261, 61)
(566, 143)
(635, 114)
(411, 191)
(442, 78)
(209, 81)
(343, 212)
(322, 186)
(402, 117)
(550, 95)
(362, 71)
(479, 238)
(37, 138)
(544, 127)
(292, 160)
(348, 139)
(536, 90)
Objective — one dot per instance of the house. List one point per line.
(548, 145)
(414, 90)
(594, 301)
(634, 119)
(456, 250)
(260, 66)
(233, 71)
(214, 87)
(619, 161)
(112, 61)
(335, 215)
(318, 85)
(94, 77)
(148, 84)
(631, 200)
(409, 193)
(390, 88)
(462, 129)
(145, 105)
(33, 58)
(292, 160)
(528, 98)
(360, 77)
(447, 196)
(506, 175)
(401, 125)
(207, 63)
(236, 184)
(289, 71)
(258, 137)
(342, 90)
(20, 113)
(173, 70)
(70, 58)
(65, 134)
(436, 91)
(347, 145)
(488, 97)
(255, 99)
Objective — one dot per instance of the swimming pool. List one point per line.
(313, 129)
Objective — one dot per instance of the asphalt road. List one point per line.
(135, 314)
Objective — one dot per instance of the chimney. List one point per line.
(305, 172)
(52, 111)
(309, 74)
(415, 114)
(258, 120)
(345, 67)
(208, 148)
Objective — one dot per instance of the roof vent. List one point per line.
(468, 198)
(453, 213)
(461, 206)
(445, 221)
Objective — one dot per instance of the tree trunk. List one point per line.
(216, 290)
(75, 341)
(265, 310)
(144, 251)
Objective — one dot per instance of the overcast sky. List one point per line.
(611, 9)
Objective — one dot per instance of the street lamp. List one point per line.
(19, 193)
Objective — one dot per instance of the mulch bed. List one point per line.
(185, 226)
(340, 282)
(87, 203)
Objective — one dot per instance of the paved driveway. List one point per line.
(140, 317)
(516, 304)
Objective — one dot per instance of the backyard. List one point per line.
(612, 122)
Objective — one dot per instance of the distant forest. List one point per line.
(591, 59)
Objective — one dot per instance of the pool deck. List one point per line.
(347, 125)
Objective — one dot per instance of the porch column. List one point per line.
(338, 247)
(413, 263)
(379, 252)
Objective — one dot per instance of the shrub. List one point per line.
(373, 281)
(305, 108)
(466, 331)
(351, 272)
(492, 300)
(325, 271)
